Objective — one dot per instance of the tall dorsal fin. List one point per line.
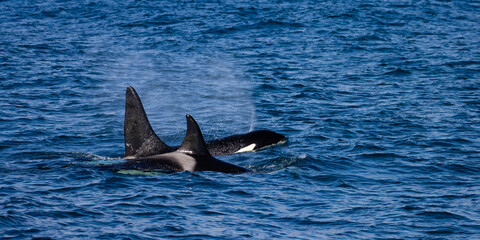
(140, 139)
(193, 143)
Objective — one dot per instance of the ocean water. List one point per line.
(380, 101)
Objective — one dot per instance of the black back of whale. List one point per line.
(192, 155)
(141, 140)
(253, 141)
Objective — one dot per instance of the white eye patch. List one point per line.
(247, 148)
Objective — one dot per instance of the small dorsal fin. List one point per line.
(140, 139)
(193, 143)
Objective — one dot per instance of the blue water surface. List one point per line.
(380, 101)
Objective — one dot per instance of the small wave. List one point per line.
(381, 155)
(442, 215)
(343, 184)
(255, 26)
(463, 168)
(11, 221)
(140, 173)
(93, 156)
(212, 213)
(367, 147)
(448, 142)
(2, 147)
(239, 193)
(398, 72)
(63, 138)
(411, 208)
(59, 214)
(462, 63)
(274, 23)
(342, 16)
(94, 160)
(277, 164)
(370, 37)
(441, 231)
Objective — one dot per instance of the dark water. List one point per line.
(380, 101)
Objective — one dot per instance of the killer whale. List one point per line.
(192, 155)
(252, 141)
(142, 141)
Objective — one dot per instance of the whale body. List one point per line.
(142, 141)
(192, 155)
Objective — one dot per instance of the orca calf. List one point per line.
(192, 156)
(141, 140)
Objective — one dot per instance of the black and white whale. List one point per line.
(252, 141)
(142, 141)
(192, 156)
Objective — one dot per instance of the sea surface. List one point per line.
(380, 101)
